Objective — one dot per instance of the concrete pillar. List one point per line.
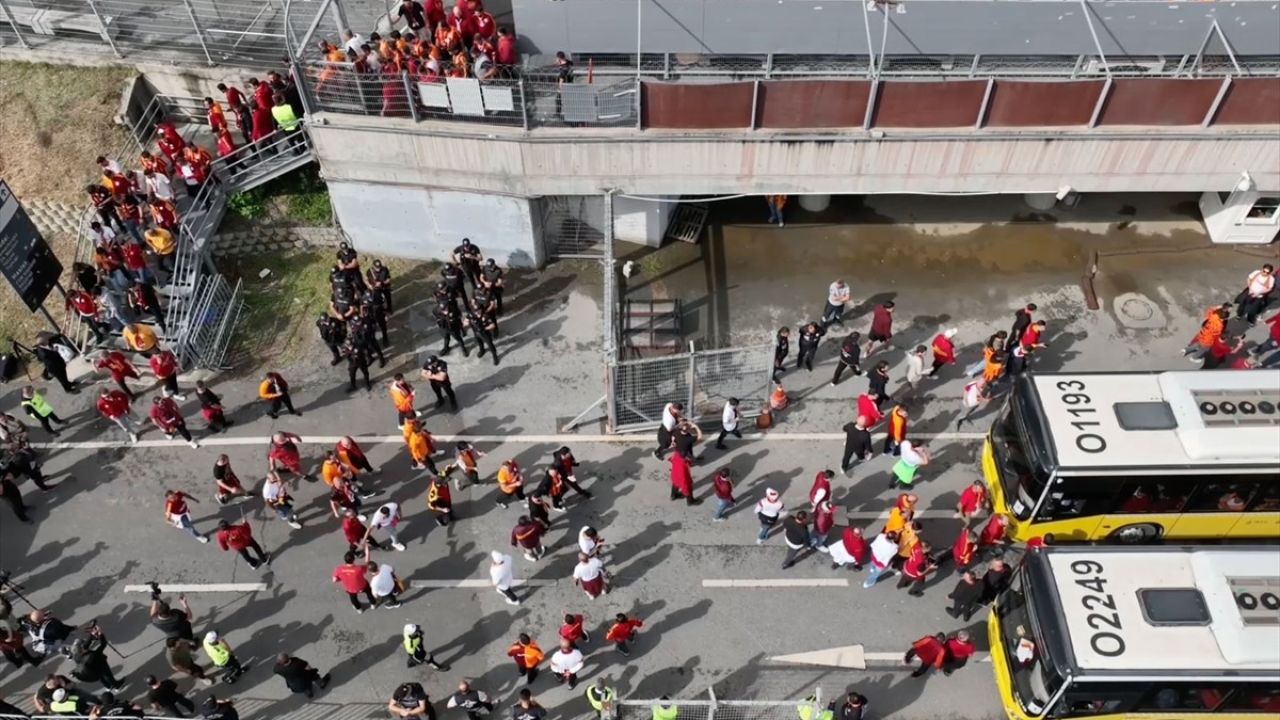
(1040, 201)
(815, 203)
(643, 222)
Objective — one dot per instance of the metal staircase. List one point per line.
(201, 306)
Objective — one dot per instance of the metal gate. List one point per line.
(701, 379)
(573, 226)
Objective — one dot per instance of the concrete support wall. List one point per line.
(584, 161)
(642, 221)
(428, 223)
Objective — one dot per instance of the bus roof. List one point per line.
(1190, 610)
(1162, 419)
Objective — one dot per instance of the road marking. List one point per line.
(476, 583)
(855, 657)
(201, 587)
(776, 582)
(563, 439)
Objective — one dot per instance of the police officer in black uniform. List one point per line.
(371, 305)
(108, 706)
(482, 328)
(484, 299)
(780, 352)
(357, 361)
(810, 335)
(493, 279)
(449, 320)
(349, 265)
(850, 356)
(453, 279)
(379, 278)
(215, 709)
(333, 332)
(436, 372)
(468, 257)
(365, 334)
(342, 303)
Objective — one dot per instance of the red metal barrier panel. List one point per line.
(1250, 101)
(1158, 101)
(693, 106)
(1030, 103)
(797, 104)
(928, 104)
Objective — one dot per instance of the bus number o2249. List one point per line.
(1073, 394)
(1102, 618)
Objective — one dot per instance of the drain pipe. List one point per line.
(1086, 281)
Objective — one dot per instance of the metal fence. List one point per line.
(573, 226)
(701, 379)
(713, 708)
(524, 103)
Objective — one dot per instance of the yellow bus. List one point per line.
(1137, 456)
(1115, 632)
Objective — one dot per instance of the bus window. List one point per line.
(1222, 497)
(1182, 697)
(1253, 699)
(1035, 682)
(1077, 497)
(1138, 498)
(1021, 478)
(1267, 499)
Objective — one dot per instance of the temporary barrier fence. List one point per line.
(702, 380)
(714, 708)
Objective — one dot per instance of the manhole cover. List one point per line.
(1136, 311)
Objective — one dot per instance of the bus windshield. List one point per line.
(1022, 478)
(1035, 681)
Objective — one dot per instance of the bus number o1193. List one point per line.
(1102, 618)
(1073, 394)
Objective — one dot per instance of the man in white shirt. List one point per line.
(1256, 293)
(837, 300)
(103, 236)
(383, 584)
(501, 576)
(566, 663)
(277, 498)
(159, 186)
(883, 551)
(670, 418)
(915, 366)
(973, 397)
(589, 541)
(729, 422)
(589, 575)
(386, 518)
(351, 42)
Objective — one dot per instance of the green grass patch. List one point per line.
(276, 326)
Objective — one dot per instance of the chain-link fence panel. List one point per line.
(809, 708)
(573, 226)
(741, 373)
(642, 387)
(685, 709)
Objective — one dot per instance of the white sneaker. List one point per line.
(759, 541)
(512, 602)
(194, 444)
(530, 558)
(362, 518)
(133, 437)
(398, 546)
(202, 539)
(295, 524)
(179, 398)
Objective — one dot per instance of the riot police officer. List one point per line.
(371, 304)
(379, 278)
(342, 303)
(333, 332)
(453, 279)
(482, 328)
(449, 320)
(436, 372)
(468, 257)
(349, 266)
(357, 362)
(493, 279)
(483, 299)
(362, 331)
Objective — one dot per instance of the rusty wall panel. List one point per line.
(694, 106)
(1250, 101)
(904, 104)
(1022, 103)
(812, 103)
(1158, 101)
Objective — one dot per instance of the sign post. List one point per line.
(26, 260)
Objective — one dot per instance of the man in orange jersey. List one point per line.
(402, 398)
(526, 654)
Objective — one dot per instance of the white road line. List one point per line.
(201, 587)
(895, 658)
(563, 439)
(854, 657)
(475, 583)
(776, 583)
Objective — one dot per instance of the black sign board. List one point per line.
(25, 258)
